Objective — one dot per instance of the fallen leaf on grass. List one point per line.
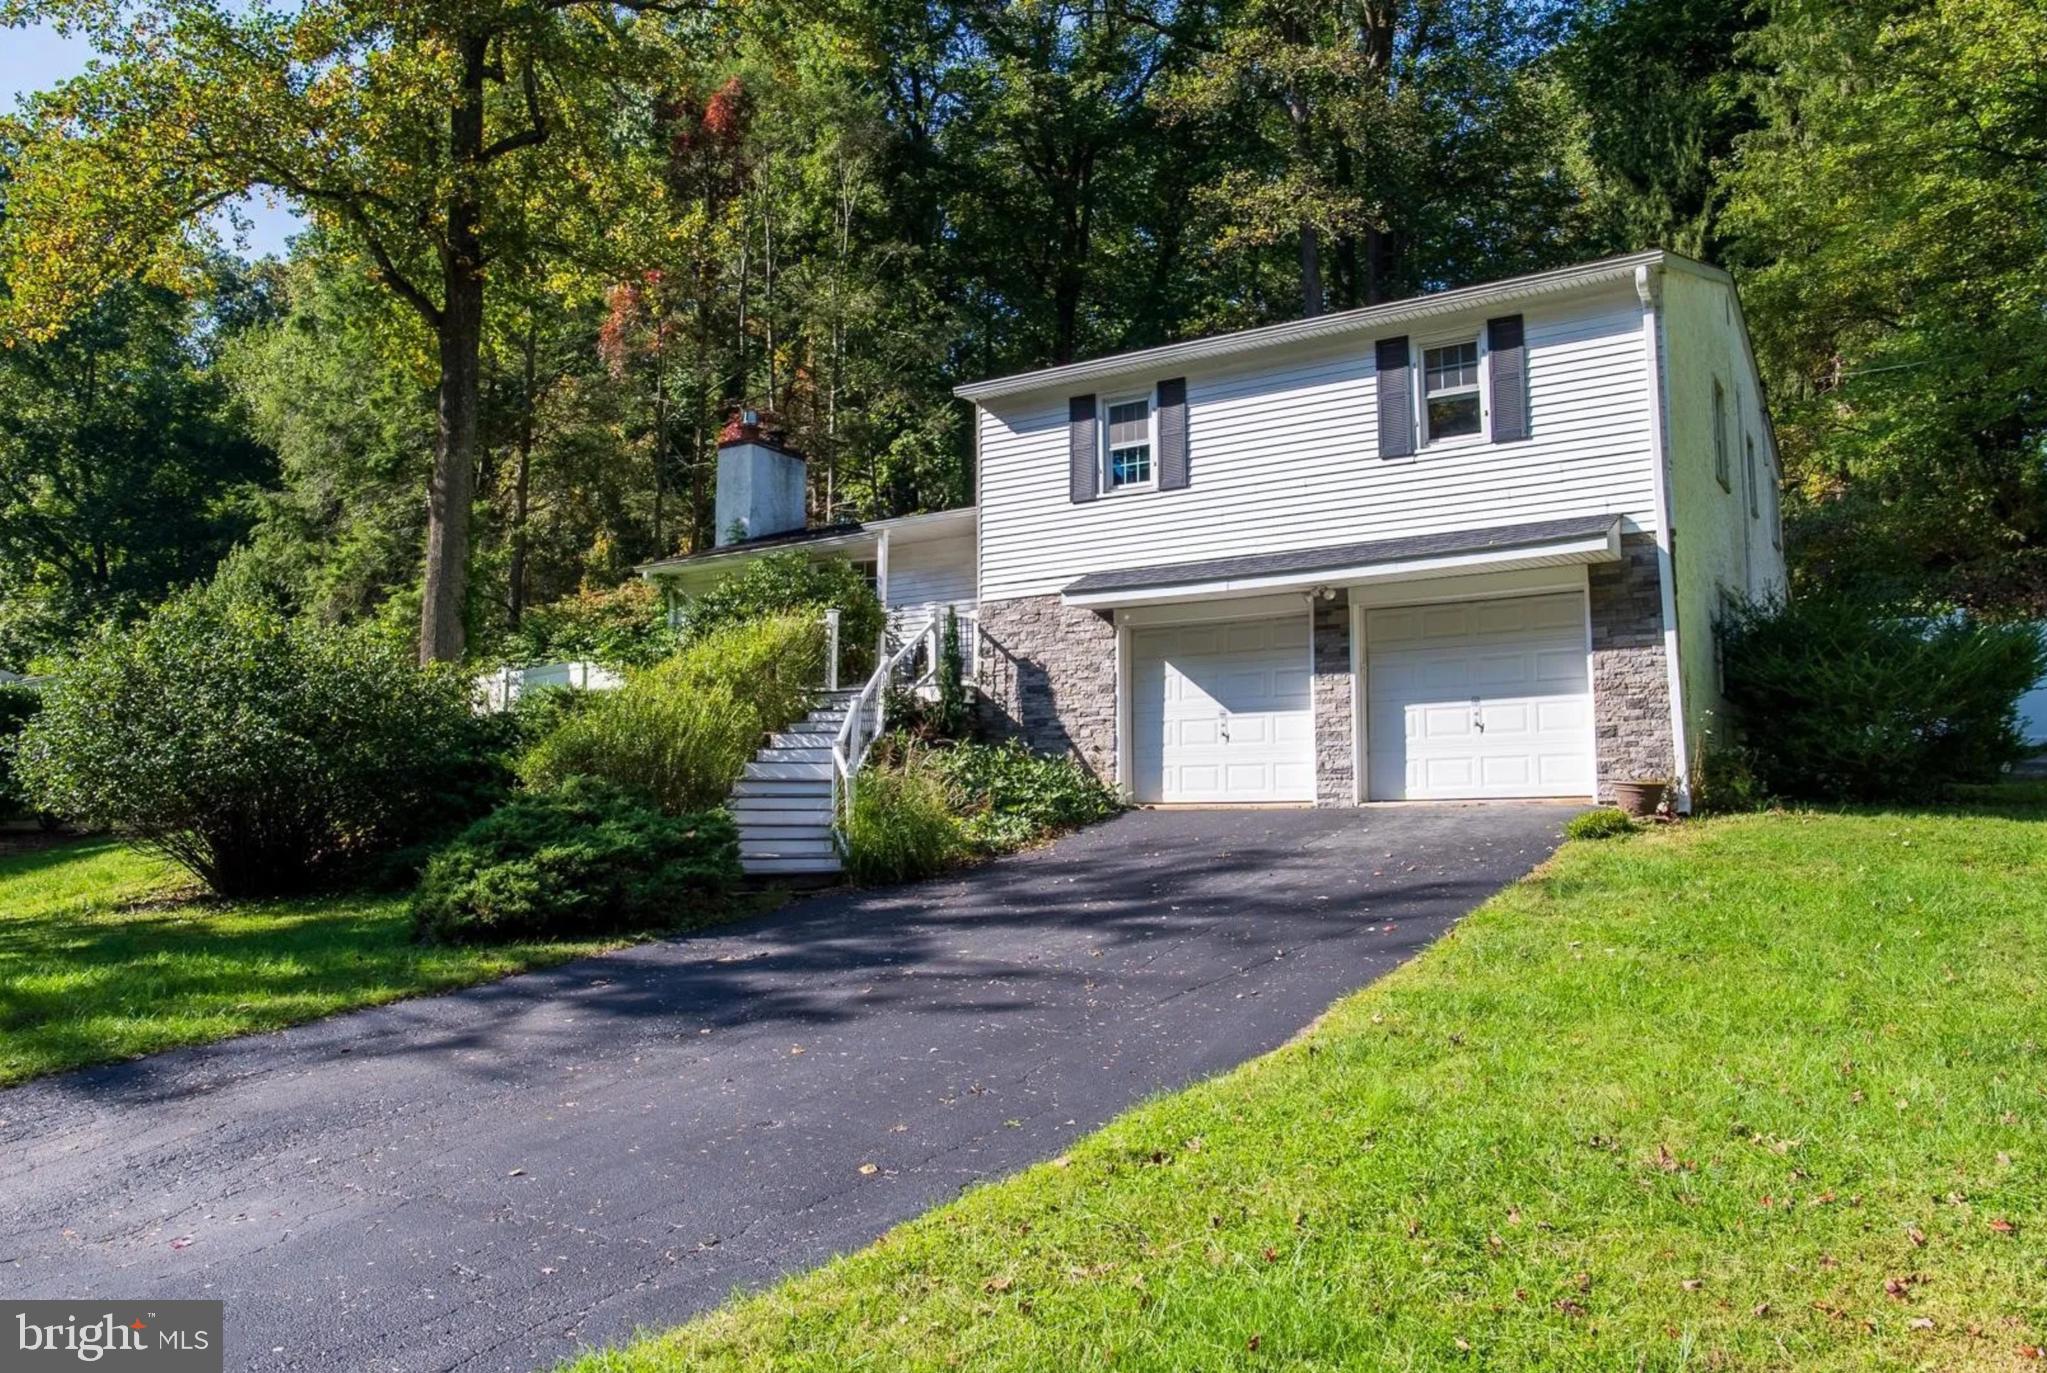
(1253, 1343)
(1762, 1310)
(2003, 1226)
(1692, 1284)
(1921, 1322)
(1916, 1235)
(1002, 1284)
(1571, 1308)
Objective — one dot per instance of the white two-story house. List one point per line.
(1468, 545)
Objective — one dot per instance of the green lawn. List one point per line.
(1765, 1092)
(106, 952)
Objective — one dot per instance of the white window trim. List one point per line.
(1420, 367)
(1150, 400)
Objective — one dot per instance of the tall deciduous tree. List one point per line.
(450, 140)
(1394, 145)
(1889, 219)
(124, 470)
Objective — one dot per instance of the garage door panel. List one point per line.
(1232, 720)
(1479, 699)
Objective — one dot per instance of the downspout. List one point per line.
(1649, 289)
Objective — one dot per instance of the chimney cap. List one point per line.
(749, 425)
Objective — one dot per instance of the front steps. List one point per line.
(783, 802)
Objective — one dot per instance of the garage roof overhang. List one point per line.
(1550, 543)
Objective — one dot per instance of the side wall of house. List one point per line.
(1726, 547)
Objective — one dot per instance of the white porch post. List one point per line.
(831, 650)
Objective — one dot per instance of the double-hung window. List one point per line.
(1127, 444)
(1450, 392)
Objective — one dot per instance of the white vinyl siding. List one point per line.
(1284, 455)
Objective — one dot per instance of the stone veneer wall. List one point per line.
(1335, 772)
(1048, 673)
(1630, 677)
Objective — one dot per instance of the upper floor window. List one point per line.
(1450, 403)
(1127, 441)
(1723, 470)
(1755, 509)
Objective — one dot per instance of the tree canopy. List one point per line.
(553, 244)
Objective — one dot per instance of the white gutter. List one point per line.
(1649, 290)
(1372, 318)
(1597, 548)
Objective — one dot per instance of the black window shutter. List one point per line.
(1507, 357)
(1083, 451)
(1396, 399)
(1172, 420)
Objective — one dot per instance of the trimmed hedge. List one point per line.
(1838, 698)
(587, 858)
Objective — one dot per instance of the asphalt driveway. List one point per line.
(493, 1178)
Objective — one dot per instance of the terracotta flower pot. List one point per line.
(1639, 799)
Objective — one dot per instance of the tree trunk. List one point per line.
(522, 483)
(450, 493)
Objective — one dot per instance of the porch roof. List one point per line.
(1579, 539)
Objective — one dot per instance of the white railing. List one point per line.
(867, 714)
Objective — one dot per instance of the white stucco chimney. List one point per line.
(760, 482)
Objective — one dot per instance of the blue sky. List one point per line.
(37, 58)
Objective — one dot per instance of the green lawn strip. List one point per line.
(1691, 1099)
(106, 952)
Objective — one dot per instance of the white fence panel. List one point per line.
(500, 690)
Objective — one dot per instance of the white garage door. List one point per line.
(1478, 699)
(1220, 713)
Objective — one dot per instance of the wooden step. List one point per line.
(787, 825)
(751, 788)
(801, 796)
(802, 753)
(765, 867)
(786, 848)
(788, 772)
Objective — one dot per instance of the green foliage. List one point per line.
(1665, 92)
(787, 583)
(124, 471)
(18, 705)
(952, 687)
(626, 626)
(261, 753)
(902, 826)
(1608, 822)
(586, 858)
(1888, 217)
(920, 807)
(1010, 796)
(681, 732)
(1838, 698)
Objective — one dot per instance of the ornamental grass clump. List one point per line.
(680, 732)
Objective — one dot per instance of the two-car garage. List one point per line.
(1481, 698)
